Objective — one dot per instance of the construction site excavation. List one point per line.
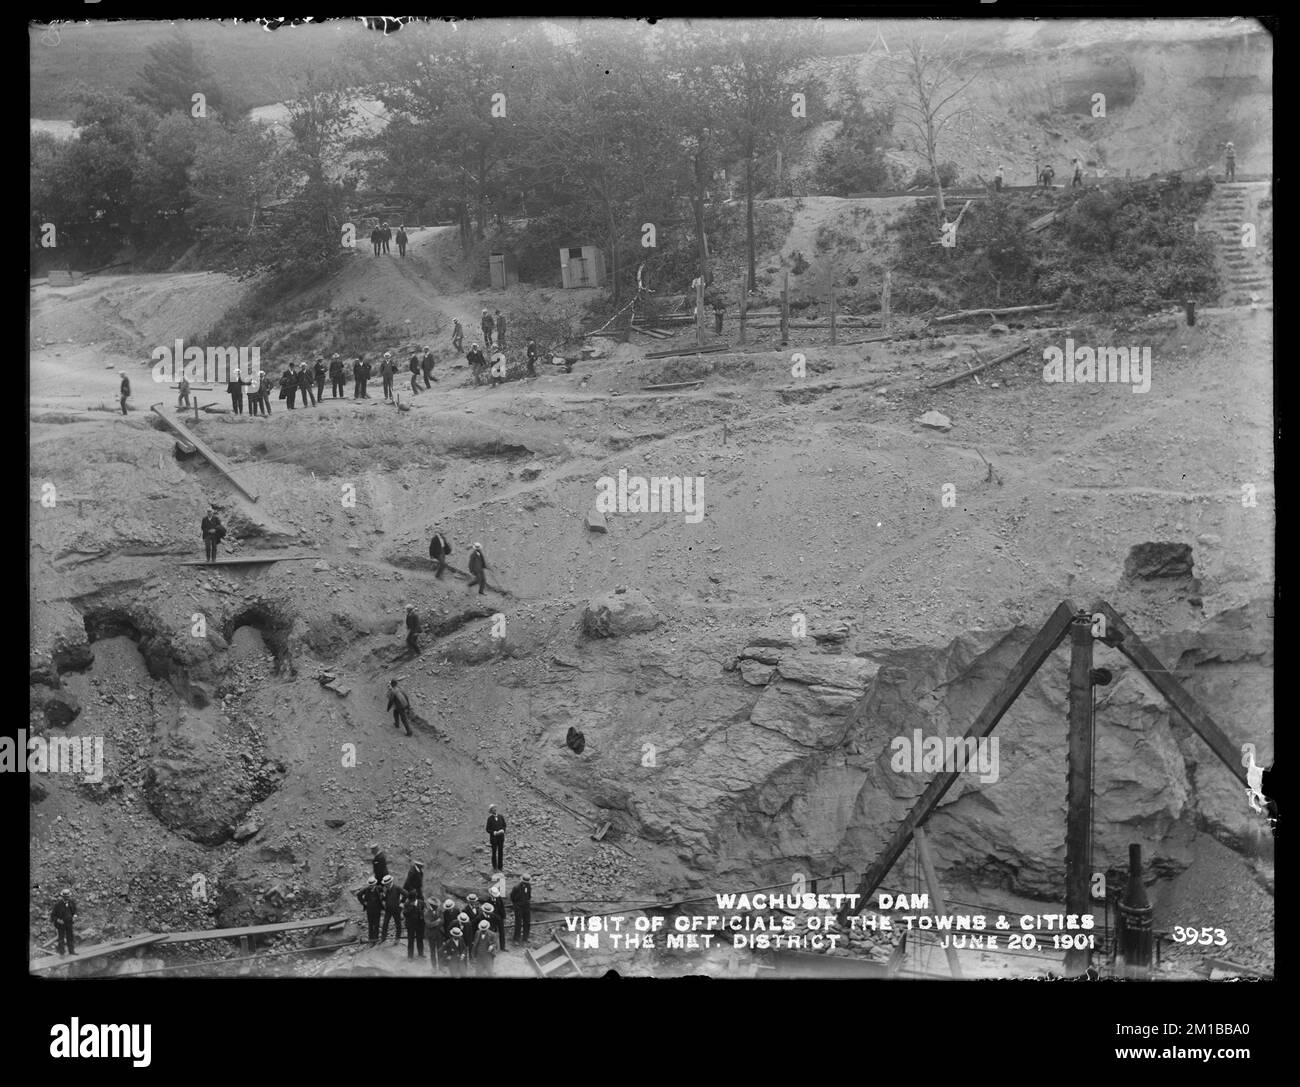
(548, 499)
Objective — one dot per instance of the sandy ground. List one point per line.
(823, 496)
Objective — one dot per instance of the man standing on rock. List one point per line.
(454, 953)
(289, 385)
(414, 367)
(522, 900)
(532, 357)
(393, 897)
(412, 629)
(439, 549)
(415, 879)
(486, 325)
(498, 904)
(62, 916)
(496, 832)
(356, 379)
(378, 861)
(449, 914)
(476, 363)
(336, 377)
(319, 370)
(264, 392)
(365, 379)
(426, 367)
(414, 913)
(124, 390)
(483, 950)
(478, 570)
(373, 903)
(304, 386)
(213, 533)
(457, 334)
(400, 705)
(235, 388)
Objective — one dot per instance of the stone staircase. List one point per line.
(1246, 271)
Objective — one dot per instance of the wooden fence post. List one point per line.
(785, 310)
(744, 297)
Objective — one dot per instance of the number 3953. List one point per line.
(1200, 936)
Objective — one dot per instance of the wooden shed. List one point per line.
(582, 266)
(504, 269)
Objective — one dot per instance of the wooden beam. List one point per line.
(884, 300)
(95, 952)
(1078, 777)
(213, 458)
(1127, 642)
(785, 310)
(978, 369)
(699, 310)
(248, 560)
(961, 314)
(250, 930)
(744, 298)
(936, 893)
(672, 385)
(1042, 647)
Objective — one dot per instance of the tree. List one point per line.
(757, 81)
(174, 72)
(322, 120)
(236, 170)
(606, 139)
(443, 137)
(854, 161)
(934, 81)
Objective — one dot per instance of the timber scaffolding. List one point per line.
(1101, 624)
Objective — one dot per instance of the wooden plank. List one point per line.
(672, 385)
(744, 298)
(248, 560)
(678, 352)
(884, 300)
(94, 952)
(250, 930)
(1043, 645)
(961, 314)
(601, 831)
(785, 310)
(213, 458)
(936, 893)
(979, 369)
(1163, 680)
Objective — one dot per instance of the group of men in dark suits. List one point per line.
(462, 935)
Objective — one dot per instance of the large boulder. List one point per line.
(1158, 560)
(623, 611)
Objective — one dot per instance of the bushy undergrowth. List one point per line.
(1128, 245)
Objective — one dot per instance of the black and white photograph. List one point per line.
(743, 498)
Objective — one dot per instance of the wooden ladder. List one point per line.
(553, 960)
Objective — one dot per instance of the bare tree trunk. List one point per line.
(749, 218)
(699, 209)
